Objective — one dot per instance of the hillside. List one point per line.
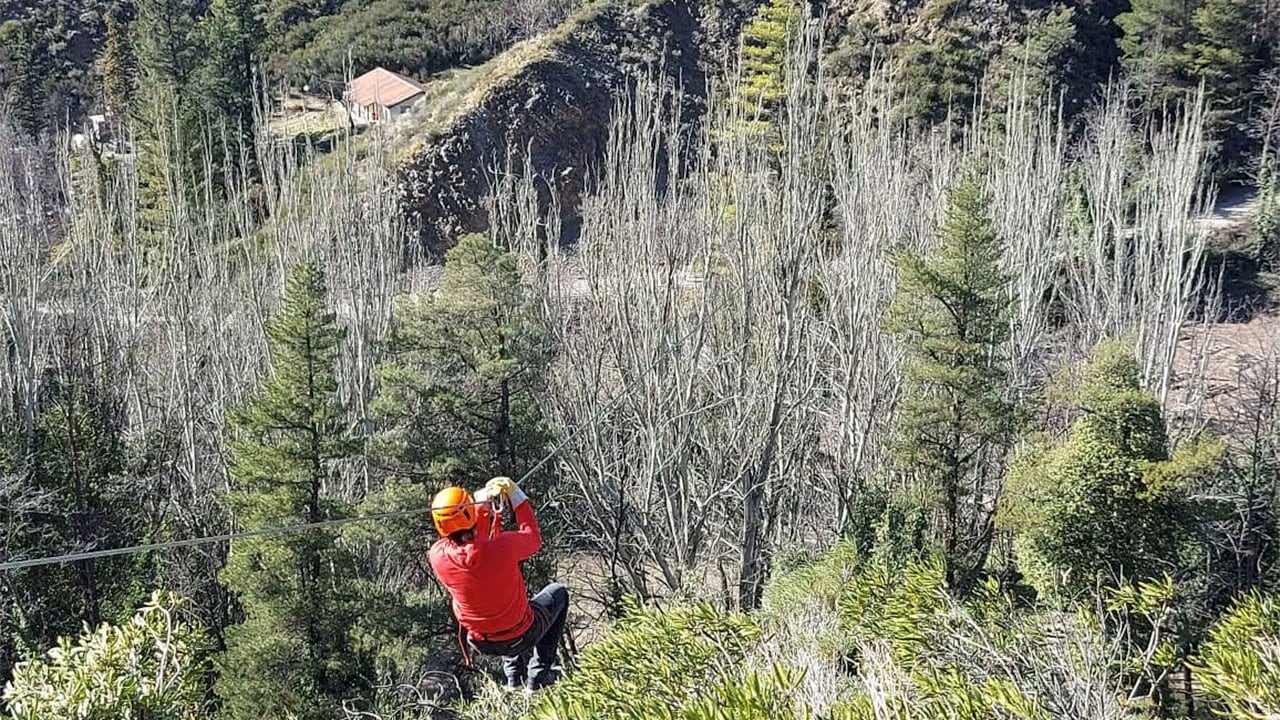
(552, 96)
(550, 101)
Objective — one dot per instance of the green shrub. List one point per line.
(151, 668)
(818, 581)
(660, 665)
(1239, 666)
(895, 605)
(1106, 500)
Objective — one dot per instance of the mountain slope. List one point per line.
(553, 97)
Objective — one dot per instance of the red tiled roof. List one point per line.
(382, 87)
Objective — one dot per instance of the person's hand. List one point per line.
(502, 485)
(508, 489)
(485, 494)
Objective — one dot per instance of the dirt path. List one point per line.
(1226, 370)
(1234, 208)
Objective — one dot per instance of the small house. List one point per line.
(381, 95)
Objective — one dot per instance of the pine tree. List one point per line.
(1156, 34)
(76, 489)
(168, 136)
(458, 393)
(1228, 56)
(292, 654)
(119, 66)
(456, 404)
(29, 74)
(163, 35)
(951, 314)
(223, 83)
(765, 43)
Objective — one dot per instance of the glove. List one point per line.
(506, 487)
(485, 494)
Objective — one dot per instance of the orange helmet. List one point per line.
(453, 511)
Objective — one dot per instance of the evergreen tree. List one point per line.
(28, 75)
(458, 392)
(163, 35)
(951, 315)
(765, 43)
(223, 84)
(945, 69)
(168, 136)
(292, 655)
(1107, 500)
(1153, 47)
(119, 66)
(456, 404)
(75, 490)
(1229, 56)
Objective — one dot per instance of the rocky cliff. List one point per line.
(551, 100)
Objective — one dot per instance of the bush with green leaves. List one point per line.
(1239, 666)
(1108, 499)
(668, 664)
(152, 667)
(912, 650)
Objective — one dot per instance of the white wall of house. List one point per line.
(381, 113)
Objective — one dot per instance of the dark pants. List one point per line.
(550, 608)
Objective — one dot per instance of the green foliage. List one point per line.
(151, 667)
(765, 42)
(119, 67)
(1107, 499)
(416, 37)
(820, 581)
(292, 656)
(945, 69)
(401, 623)
(456, 403)
(164, 35)
(28, 70)
(1228, 56)
(948, 659)
(223, 84)
(750, 697)
(194, 108)
(895, 606)
(1155, 35)
(681, 663)
(1142, 616)
(458, 392)
(77, 486)
(950, 313)
(1045, 59)
(1171, 47)
(1239, 666)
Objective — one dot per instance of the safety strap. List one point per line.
(463, 645)
(495, 525)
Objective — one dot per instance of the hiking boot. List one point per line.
(543, 680)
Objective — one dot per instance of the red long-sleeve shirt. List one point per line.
(483, 576)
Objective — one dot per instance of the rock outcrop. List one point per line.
(551, 100)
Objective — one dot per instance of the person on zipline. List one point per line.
(481, 571)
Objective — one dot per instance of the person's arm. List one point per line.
(526, 539)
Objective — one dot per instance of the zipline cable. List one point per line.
(303, 527)
(139, 549)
